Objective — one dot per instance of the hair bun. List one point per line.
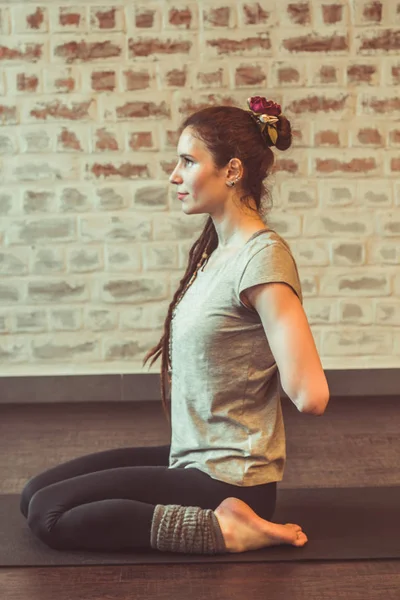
(285, 137)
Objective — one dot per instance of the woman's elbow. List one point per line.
(316, 406)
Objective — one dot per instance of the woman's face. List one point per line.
(196, 175)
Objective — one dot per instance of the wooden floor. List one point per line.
(355, 443)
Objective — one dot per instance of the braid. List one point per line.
(207, 241)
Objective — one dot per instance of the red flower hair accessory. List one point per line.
(266, 113)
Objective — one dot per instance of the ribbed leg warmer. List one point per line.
(187, 529)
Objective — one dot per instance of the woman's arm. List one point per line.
(292, 344)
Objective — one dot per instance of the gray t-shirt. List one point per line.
(226, 413)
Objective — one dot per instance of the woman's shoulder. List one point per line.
(270, 237)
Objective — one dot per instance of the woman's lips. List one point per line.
(180, 196)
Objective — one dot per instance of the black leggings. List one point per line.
(105, 501)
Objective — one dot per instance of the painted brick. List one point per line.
(8, 113)
(325, 75)
(69, 19)
(322, 103)
(38, 201)
(22, 50)
(114, 197)
(319, 310)
(48, 261)
(68, 347)
(62, 80)
(337, 224)
(9, 142)
(380, 103)
(388, 223)
(103, 81)
(361, 73)
(288, 74)
(385, 252)
(93, 225)
(69, 140)
(130, 289)
(16, 353)
(14, 261)
(144, 318)
(45, 168)
(106, 139)
(248, 75)
(75, 199)
(51, 230)
(82, 50)
(66, 319)
(338, 165)
(122, 258)
(332, 13)
(330, 135)
(162, 46)
(232, 44)
(345, 252)
(84, 259)
(357, 283)
(147, 18)
(106, 19)
(58, 290)
(394, 137)
(209, 76)
(298, 13)
(368, 12)
(310, 252)
(113, 229)
(116, 349)
(57, 109)
(358, 342)
(11, 291)
(30, 321)
(387, 312)
(377, 194)
(182, 16)
(100, 319)
(257, 13)
(10, 202)
(337, 194)
(137, 79)
(356, 313)
(333, 43)
(371, 135)
(299, 195)
(29, 19)
(37, 140)
(378, 41)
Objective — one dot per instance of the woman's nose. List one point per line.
(174, 177)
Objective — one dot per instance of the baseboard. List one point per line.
(146, 387)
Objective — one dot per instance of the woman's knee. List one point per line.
(42, 519)
(30, 488)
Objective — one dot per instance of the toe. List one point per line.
(301, 540)
(294, 525)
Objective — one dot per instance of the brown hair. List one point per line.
(228, 132)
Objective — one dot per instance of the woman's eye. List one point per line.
(188, 161)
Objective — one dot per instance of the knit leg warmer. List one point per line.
(187, 529)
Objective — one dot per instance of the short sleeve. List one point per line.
(270, 264)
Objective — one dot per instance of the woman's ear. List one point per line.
(235, 167)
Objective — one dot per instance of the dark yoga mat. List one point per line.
(340, 523)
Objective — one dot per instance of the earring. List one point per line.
(232, 183)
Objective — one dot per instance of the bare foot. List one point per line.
(244, 530)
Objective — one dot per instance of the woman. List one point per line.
(235, 321)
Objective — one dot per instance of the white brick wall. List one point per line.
(92, 240)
